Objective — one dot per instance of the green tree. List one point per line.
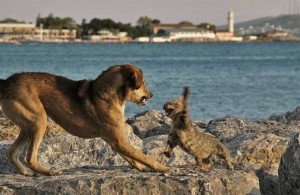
(84, 27)
(95, 25)
(51, 22)
(68, 23)
(10, 20)
(207, 26)
(144, 21)
(144, 26)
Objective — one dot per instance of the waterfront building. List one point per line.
(54, 34)
(29, 32)
(16, 30)
(277, 34)
(180, 32)
(198, 34)
(157, 27)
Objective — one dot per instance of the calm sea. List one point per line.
(248, 80)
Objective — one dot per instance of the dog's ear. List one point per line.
(135, 79)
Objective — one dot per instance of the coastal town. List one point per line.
(156, 33)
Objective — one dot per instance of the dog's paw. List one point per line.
(146, 169)
(28, 173)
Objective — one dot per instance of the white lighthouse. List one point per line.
(231, 21)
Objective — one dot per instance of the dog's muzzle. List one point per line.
(144, 99)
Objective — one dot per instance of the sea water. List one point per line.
(247, 80)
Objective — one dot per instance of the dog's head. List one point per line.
(173, 108)
(135, 89)
(127, 80)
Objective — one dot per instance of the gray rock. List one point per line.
(264, 150)
(262, 155)
(150, 123)
(268, 180)
(229, 127)
(289, 169)
(122, 180)
(288, 117)
(90, 166)
(225, 128)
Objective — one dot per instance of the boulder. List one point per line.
(123, 180)
(150, 123)
(262, 155)
(228, 128)
(264, 150)
(90, 166)
(225, 128)
(289, 168)
(288, 117)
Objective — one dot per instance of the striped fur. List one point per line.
(192, 141)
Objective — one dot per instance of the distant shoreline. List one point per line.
(16, 42)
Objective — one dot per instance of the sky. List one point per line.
(167, 11)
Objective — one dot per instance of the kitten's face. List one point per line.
(172, 108)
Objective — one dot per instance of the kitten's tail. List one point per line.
(186, 93)
(185, 118)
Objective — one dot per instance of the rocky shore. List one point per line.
(266, 156)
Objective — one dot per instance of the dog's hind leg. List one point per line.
(13, 153)
(38, 129)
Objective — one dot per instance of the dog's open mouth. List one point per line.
(144, 100)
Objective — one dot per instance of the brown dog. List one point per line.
(86, 109)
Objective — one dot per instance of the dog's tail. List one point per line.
(185, 117)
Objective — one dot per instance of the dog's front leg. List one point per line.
(131, 154)
(136, 164)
